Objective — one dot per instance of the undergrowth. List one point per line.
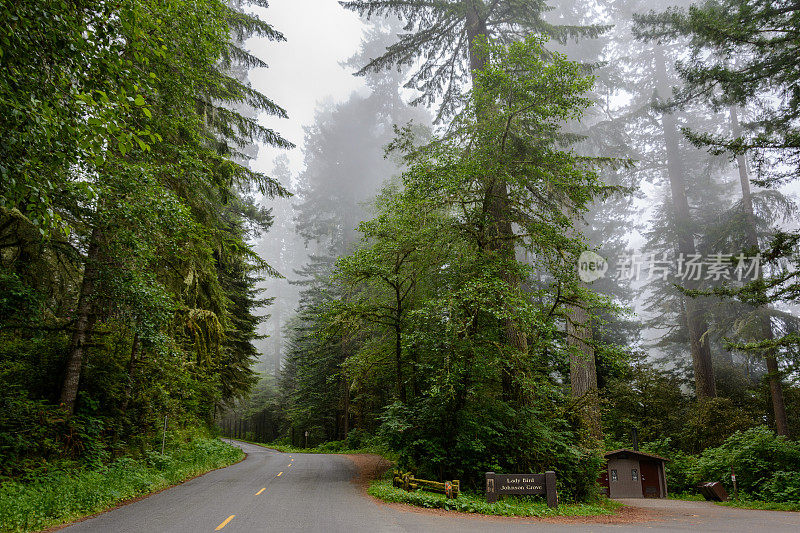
(472, 503)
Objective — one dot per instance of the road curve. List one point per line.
(273, 491)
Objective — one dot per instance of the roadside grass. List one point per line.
(333, 447)
(741, 504)
(764, 506)
(57, 498)
(471, 503)
(686, 496)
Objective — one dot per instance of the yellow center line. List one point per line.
(279, 473)
(225, 523)
(262, 490)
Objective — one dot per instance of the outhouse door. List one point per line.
(651, 486)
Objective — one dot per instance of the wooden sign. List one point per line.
(502, 484)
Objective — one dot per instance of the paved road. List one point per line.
(272, 491)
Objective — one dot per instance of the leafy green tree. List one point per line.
(449, 37)
(382, 277)
(742, 53)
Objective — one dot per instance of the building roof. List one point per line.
(622, 451)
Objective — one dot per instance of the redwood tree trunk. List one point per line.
(773, 372)
(582, 362)
(582, 367)
(85, 319)
(705, 386)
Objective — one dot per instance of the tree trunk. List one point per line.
(582, 363)
(501, 235)
(582, 367)
(705, 386)
(775, 387)
(398, 338)
(83, 325)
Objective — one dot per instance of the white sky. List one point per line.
(304, 70)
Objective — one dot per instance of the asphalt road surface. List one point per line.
(273, 491)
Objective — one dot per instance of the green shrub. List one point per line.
(767, 466)
(333, 446)
(782, 487)
(436, 441)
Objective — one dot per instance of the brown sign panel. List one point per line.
(502, 484)
(520, 483)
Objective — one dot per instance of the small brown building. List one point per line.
(634, 474)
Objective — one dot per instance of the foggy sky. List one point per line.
(304, 70)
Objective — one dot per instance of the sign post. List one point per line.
(501, 484)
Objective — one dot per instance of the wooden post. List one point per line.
(550, 487)
(491, 492)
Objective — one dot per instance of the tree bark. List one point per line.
(705, 386)
(773, 371)
(582, 362)
(582, 366)
(83, 325)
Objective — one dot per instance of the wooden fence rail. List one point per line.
(407, 481)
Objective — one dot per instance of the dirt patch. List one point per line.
(623, 515)
(368, 467)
